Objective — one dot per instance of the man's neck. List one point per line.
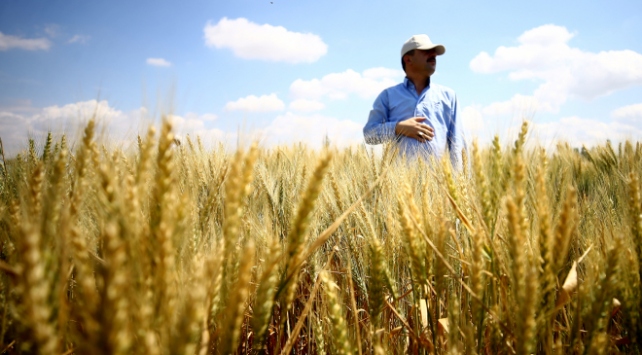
(420, 82)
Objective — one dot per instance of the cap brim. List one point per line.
(439, 49)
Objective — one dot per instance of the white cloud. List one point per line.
(383, 73)
(483, 126)
(249, 40)
(531, 54)
(518, 105)
(583, 131)
(79, 39)
(79, 110)
(186, 124)
(158, 62)
(472, 119)
(630, 111)
(306, 105)
(12, 126)
(575, 130)
(312, 130)
(207, 117)
(629, 114)
(252, 103)
(30, 44)
(543, 55)
(116, 127)
(340, 85)
(193, 124)
(68, 119)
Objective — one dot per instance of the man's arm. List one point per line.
(379, 129)
(456, 138)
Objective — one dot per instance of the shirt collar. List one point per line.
(409, 84)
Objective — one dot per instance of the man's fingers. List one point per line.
(427, 132)
(424, 137)
(414, 128)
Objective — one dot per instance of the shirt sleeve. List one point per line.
(456, 139)
(379, 129)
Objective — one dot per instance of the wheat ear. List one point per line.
(234, 314)
(46, 152)
(482, 186)
(162, 228)
(339, 326)
(378, 271)
(523, 281)
(413, 244)
(635, 209)
(547, 279)
(265, 295)
(564, 229)
(298, 231)
(190, 325)
(115, 337)
(36, 292)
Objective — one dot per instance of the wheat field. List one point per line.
(171, 248)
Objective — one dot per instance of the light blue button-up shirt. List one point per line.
(437, 103)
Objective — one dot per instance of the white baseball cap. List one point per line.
(421, 42)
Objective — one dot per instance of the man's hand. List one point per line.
(413, 128)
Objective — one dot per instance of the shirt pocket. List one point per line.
(430, 109)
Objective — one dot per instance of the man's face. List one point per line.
(424, 61)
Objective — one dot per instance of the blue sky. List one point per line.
(287, 71)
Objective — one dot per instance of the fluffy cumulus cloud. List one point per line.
(79, 111)
(543, 54)
(158, 62)
(252, 103)
(580, 131)
(193, 125)
(311, 130)
(306, 105)
(13, 132)
(631, 114)
(249, 40)
(67, 119)
(8, 42)
(207, 117)
(337, 86)
(577, 131)
(480, 125)
(473, 120)
(115, 127)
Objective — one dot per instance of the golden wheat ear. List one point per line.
(36, 290)
(342, 344)
(232, 318)
(264, 302)
(297, 234)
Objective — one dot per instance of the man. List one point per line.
(419, 115)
